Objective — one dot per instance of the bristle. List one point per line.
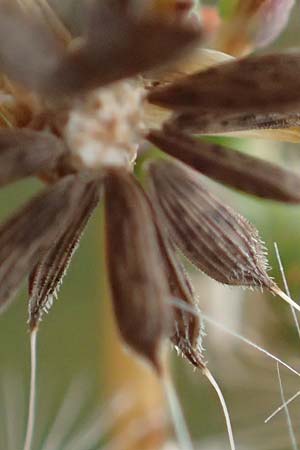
(286, 287)
(215, 385)
(282, 406)
(287, 413)
(277, 291)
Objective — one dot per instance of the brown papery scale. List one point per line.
(261, 84)
(216, 239)
(29, 232)
(115, 46)
(139, 288)
(212, 236)
(230, 167)
(46, 278)
(24, 153)
(219, 123)
(186, 334)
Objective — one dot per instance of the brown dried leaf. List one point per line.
(29, 232)
(219, 123)
(117, 46)
(28, 50)
(259, 85)
(230, 167)
(136, 271)
(24, 153)
(46, 278)
(186, 334)
(213, 237)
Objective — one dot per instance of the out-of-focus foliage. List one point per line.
(249, 24)
(227, 7)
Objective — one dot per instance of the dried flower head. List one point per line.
(75, 112)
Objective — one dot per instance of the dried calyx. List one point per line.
(84, 103)
(216, 239)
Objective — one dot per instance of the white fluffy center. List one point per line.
(104, 127)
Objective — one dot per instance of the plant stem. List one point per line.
(32, 394)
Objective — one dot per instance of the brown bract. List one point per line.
(230, 167)
(47, 276)
(216, 122)
(138, 282)
(217, 240)
(257, 84)
(85, 99)
(114, 47)
(186, 333)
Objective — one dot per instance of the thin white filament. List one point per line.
(285, 403)
(286, 287)
(180, 427)
(287, 413)
(185, 307)
(215, 385)
(32, 393)
(285, 297)
(248, 342)
(281, 407)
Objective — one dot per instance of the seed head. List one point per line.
(75, 113)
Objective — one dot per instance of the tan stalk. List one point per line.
(123, 370)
